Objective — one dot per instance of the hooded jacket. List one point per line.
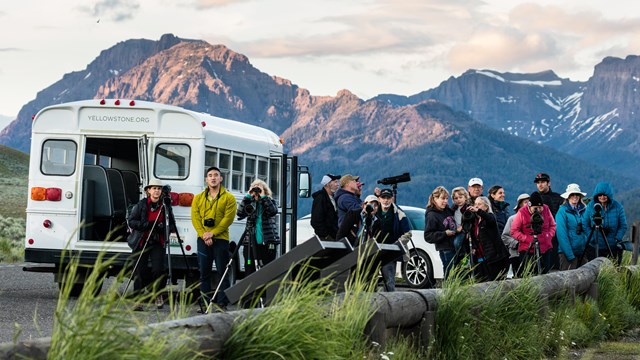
(614, 221)
(570, 243)
(521, 230)
(436, 223)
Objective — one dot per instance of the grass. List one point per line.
(105, 326)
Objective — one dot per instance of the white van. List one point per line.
(91, 159)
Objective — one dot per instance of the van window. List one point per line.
(58, 157)
(172, 161)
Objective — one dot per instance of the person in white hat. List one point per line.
(572, 237)
(324, 210)
(147, 218)
(475, 188)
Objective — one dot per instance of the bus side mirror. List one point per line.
(304, 182)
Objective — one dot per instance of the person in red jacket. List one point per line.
(526, 231)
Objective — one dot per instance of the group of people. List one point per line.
(338, 212)
(212, 213)
(546, 231)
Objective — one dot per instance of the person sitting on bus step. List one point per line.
(212, 213)
(260, 234)
(147, 216)
(324, 210)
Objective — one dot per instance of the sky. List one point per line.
(369, 47)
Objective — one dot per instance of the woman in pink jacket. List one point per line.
(534, 221)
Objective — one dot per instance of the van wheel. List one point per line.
(418, 270)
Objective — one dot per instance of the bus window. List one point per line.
(236, 173)
(225, 168)
(274, 177)
(263, 169)
(249, 170)
(172, 161)
(210, 159)
(58, 157)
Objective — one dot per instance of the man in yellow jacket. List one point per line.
(212, 212)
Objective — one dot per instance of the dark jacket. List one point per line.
(400, 225)
(352, 229)
(487, 239)
(138, 220)
(614, 221)
(553, 200)
(261, 220)
(501, 211)
(346, 202)
(436, 223)
(324, 217)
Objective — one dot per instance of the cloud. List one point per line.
(116, 10)
(206, 4)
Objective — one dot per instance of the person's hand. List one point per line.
(207, 238)
(450, 232)
(472, 208)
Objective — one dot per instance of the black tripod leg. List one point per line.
(586, 246)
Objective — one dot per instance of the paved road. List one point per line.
(27, 303)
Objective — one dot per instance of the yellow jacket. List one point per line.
(222, 210)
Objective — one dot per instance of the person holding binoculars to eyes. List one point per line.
(260, 238)
(212, 212)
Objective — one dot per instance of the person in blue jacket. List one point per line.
(572, 238)
(613, 224)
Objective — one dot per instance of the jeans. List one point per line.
(389, 275)
(143, 278)
(447, 261)
(218, 252)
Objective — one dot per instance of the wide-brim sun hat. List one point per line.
(572, 189)
(153, 182)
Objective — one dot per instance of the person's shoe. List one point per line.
(159, 302)
(138, 307)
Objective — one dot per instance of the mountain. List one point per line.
(5, 120)
(439, 143)
(594, 120)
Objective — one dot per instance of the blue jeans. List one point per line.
(218, 252)
(447, 261)
(389, 275)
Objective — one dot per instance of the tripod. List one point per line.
(535, 244)
(596, 228)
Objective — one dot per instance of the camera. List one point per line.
(256, 190)
(369, 209)
(250, 207)
(536, 222)
(597, 216)
(209, 222)
(468, 219)
(395, 179)
(579, 229)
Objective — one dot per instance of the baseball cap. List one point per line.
(346, 178)
(386, 193)
(370, 198)
(475, 181)
(542, 177)
(535, 199)
(329, 178)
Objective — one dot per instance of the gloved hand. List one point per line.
(159, 226)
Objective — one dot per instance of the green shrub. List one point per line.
(12, 234)
(614, 303)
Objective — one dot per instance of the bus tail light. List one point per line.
(174, 198)
(185, 199)
(50, 194)
(38, 193)
(54, 194)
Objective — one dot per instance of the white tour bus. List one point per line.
(91, 159)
